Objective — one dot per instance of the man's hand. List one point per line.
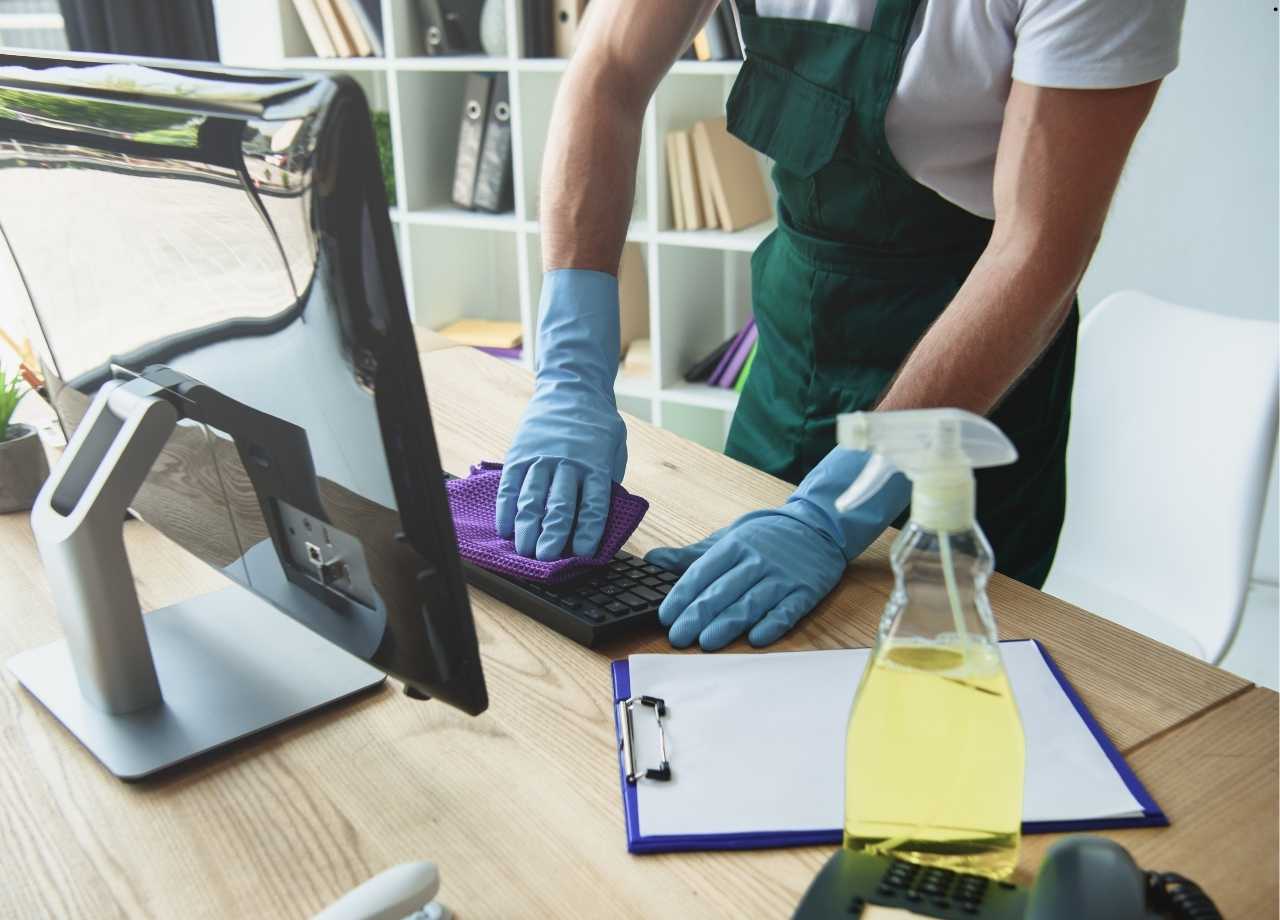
(768, 569)
(1060, 157)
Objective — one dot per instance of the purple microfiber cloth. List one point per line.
(473, 503)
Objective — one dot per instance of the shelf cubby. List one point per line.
(459, 263)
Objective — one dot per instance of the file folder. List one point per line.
(752, 747)
(493, 177)
(475, 116)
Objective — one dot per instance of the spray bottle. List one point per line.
(935, 750)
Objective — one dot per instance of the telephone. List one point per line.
(1082, 878)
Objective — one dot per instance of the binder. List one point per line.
(702, 368)
(730, 23)
(493, 178)
(567, 21)
(451, 26)
(727, 752)
(313, 25)
(475, 114)
(537, 28)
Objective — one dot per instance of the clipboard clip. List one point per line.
(662, 773)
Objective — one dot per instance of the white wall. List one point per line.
(1195, 219)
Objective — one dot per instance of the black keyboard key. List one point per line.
(669, 577)
(570, 602)
(610, 590)
(624, 556)
(593, 614)
(650, 569)
(617, 608)
(599, 600)
(635, 603)
(647, 594)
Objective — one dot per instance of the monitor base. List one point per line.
(229, 665)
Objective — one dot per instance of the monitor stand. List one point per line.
(145, 693)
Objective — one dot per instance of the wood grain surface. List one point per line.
(520, 807)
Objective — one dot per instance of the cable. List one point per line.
(1176, 896)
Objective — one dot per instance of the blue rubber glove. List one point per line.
(767, 569)
(571, 445)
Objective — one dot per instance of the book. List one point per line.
(717, 376)
(702, 46)
(690, 200)
(633, 295)
(333, 25)
(733, 367)
(353, 27)
(701, 369)
(475, 116)
(673, 182)
(485, 333)
(703, 166)
(313, 25)
(638, 361)
(736, 181)
(717, 41)
(369, 12)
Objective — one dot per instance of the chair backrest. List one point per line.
(1173, 428)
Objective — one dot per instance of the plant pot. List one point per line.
(23, 469)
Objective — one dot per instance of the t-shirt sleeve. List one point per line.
(1096, 44)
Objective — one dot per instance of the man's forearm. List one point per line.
(588, 174)
(593, 141)
(1060, 156)
(1006, 314)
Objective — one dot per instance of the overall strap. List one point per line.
(893, 19)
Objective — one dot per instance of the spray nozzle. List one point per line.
(937, 449)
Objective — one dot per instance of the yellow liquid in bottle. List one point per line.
(934, 759)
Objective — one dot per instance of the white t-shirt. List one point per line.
(944, 120)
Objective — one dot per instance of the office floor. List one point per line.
(1255, 655)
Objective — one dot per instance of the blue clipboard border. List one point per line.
(1152, 815)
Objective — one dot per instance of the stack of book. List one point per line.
(719, 39)
(730, 363)
(495, 337)
(342, 28)
(715, 179)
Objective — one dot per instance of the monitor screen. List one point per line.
(226, 236)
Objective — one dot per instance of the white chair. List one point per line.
(1173, 428)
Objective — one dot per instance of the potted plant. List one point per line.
(23, 465)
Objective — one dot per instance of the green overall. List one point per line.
(863, 261)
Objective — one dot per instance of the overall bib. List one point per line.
(863, 261)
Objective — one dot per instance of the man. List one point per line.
(943, 170)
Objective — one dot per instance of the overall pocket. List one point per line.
(796, 123)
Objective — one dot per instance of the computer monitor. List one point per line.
(212, 278)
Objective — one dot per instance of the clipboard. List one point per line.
(641, 762)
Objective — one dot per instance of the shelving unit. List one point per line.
(460, 263)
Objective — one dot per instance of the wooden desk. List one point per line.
(520, 807)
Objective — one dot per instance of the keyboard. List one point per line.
(598, 606)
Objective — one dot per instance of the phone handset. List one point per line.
(1097, 878)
